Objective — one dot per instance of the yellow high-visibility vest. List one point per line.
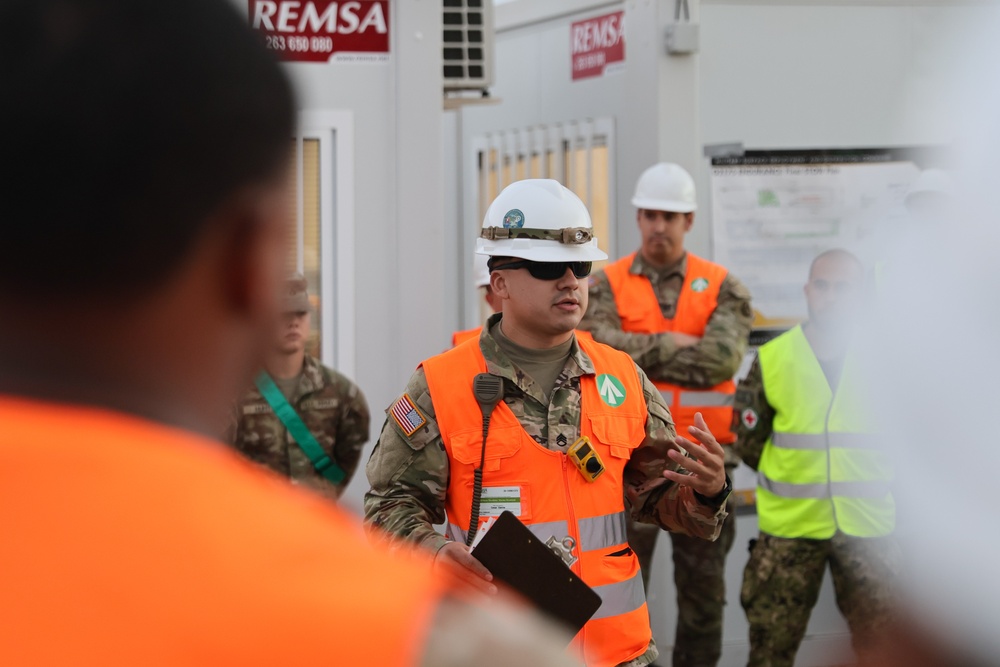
(822, 470)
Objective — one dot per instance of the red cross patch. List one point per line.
(749, 418)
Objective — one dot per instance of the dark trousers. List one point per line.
(700, 579)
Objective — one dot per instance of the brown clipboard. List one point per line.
(525, 564)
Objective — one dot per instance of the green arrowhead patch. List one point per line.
(611, 389)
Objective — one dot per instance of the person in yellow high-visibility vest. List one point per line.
(823, 492)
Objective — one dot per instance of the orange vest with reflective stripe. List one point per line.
(460, 337)
(546, 490)
(131, 543)
(640, 312)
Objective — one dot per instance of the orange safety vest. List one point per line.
(130, 543)
(640, 312)
(460, 337)
(548, 493)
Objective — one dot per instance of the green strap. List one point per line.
(299, 431)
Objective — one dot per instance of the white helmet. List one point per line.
(480, 270)
(665, 187)
(540, 220)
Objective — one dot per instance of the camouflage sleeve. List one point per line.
(602, 321)
(653, 498)
(753, 417)
(717, 356)
(409, 475)
(353, 424)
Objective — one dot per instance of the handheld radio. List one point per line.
(488, 390)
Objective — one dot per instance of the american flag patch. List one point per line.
(407, 415)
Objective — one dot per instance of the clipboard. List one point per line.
(522, 561)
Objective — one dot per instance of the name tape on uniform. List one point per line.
(499, 499)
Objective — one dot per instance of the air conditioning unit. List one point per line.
(468, 44)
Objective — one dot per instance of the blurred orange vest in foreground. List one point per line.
(125, 542)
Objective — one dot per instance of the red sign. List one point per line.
(324, 31)
(598, 45)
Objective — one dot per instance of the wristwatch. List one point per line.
(719, 498)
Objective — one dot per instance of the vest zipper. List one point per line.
(575, 534)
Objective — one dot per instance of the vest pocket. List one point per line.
(621, 434)
(503, 443)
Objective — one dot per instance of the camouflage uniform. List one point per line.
(699, 566)
(782, 579)
(409, 475)
(331, 406)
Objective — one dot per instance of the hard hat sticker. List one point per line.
(514, 219)
(699, 284)
(611, 389)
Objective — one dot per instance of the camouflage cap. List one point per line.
(295, 297)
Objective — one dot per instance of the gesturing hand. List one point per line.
(707, 462)
(459, 565)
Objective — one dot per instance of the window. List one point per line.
(577, 154)
(304, 247)
(323, 245)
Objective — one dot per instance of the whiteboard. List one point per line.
(771, 215)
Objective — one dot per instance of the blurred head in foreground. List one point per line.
(144, 223)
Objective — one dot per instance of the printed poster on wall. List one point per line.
(320, 31)
(597, 46)
(773, 213)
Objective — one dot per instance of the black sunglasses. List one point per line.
(550, 270)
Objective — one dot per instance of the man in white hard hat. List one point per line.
(578, 440)
(685, 321)
(482, 276)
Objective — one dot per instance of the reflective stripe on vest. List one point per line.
(596, 532)
(821, 440)
(554, 498)
(824, 491)
(692, 399)
(822, 469)
(640, 312)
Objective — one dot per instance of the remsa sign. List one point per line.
(598, 45)
(323, 30)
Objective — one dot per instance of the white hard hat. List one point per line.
(540, 220)
(665, 187)
(480, 270)
(930, 182)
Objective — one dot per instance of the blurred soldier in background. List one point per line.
(686, 322)
(823, 478)
(303, 420)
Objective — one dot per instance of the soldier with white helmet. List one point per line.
(578, 438)
(685, 321)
